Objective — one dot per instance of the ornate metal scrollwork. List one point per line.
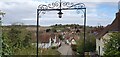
(56, 5)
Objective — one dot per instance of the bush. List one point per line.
(54, 47)
(74, 47)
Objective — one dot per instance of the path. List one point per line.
(65, 49)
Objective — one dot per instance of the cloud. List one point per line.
(92, 0)
(16, 10)
(82, 0)
(29, 19)
(25, 11)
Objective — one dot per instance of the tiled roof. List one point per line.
(115, 26)
(45, 37)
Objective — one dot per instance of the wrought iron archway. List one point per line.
(57, 6)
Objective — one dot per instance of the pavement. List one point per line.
(65, 49)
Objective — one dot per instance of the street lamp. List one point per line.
(57, 6)
(60, 14)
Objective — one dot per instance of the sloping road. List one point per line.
(65, 49)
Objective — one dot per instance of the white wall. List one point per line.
(101, 43)
(42, 45)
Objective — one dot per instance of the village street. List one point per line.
(65, 49)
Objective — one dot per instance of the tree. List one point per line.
(27, 40)
(60, 37)
(15, 39)
(90, 45)
(48, 30)
(54, 30)
(112, 46)
(6, 48)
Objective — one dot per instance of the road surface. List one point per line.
(65, 49)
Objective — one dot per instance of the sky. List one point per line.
(99, 12)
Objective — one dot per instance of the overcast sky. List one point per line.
(99, 12)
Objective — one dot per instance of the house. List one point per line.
(71, 39)
(74, 40)
(46, 40)
(100, 43)
(104, 34)
(96, 30)
(67, 39)
(55, 39)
